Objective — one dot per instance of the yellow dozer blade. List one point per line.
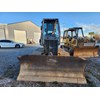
(52, 69)
(86, 51)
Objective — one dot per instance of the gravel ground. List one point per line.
(9, 69)
(9, 61)
(8, 82)
(92, 72)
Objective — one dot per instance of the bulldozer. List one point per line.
(49, 66)
(77, 44)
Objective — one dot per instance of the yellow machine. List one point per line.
(77, 45)
(49, 67)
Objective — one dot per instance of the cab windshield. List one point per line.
(51, 28)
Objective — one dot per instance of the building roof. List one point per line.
(2, 24)
(36, 27)
(23, 22)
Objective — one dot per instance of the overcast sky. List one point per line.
(89, 21)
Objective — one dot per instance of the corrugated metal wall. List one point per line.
(3, 31)
(33, 31)
(2, 34)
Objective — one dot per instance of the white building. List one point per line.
(24, 32)
(3, 31)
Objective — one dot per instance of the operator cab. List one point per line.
(76, 32)
(50, 30)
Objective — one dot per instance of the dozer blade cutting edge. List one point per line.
(52, 68)
(86, 51)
